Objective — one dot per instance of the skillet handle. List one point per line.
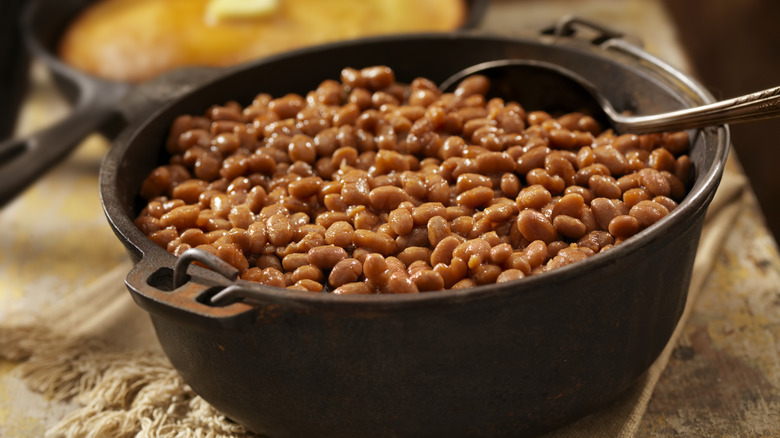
(175, 295)
(24, 160)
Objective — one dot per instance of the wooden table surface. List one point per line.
(723, 378)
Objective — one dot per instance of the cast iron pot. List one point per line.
(508, 359)
(99, 105)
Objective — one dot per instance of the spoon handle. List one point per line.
(750, 107)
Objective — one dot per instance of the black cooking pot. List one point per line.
(99, 105)
(507, 359)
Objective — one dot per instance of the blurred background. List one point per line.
(733, 50)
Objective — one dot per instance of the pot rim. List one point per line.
(695, 201)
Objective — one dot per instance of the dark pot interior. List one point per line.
(499, 360)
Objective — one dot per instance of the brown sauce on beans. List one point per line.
(366, 185)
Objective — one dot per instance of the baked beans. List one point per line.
(366, 185)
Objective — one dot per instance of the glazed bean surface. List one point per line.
(366, 185)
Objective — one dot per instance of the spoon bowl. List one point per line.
(549, 87)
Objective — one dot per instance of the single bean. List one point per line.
(279, 230)
(532, 159)
(510, 185)
(307, 272)
(427, 280)
(400, 283)
(232, 254)
(378, 242)
(533, 225)
(570, 205)
(345, 271)
(500, 253)
(305, 187)
(181, 217)
(661, 159)
(442, 253)
(287, 106)
(326, 256)
(269, 261)
(566, 256)
(501, 212)
(364, 219)
(586, 194)
(676, 142)
(377, 77)
(294, 261)
(475, 84)
(376, 270)
(308, 285)
(605, 209)
(604, 186)
(357, 288)
(340, 234)
(666, 202)
(494, 162)
(401, 221)
(570, 227)
(518, 260)
(624, 226)
(612, 158)
(387, 198)
(438, 230)
(468, 181)
(648, 212)
(164, 237)
(536, 253)
(485, 273)
(534, 197)
(476, 197)
(422, 214)
(415, 254)
(654, 182)
(635, 196)
(509, 275)
(481, 226)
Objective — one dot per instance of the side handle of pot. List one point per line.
(572, 26)
(662, 68)
(174, 294)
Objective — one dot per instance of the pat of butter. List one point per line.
(221, 10)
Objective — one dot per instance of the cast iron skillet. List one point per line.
(99, 105)
(508, 359)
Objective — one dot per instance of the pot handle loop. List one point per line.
(571, 26)
(663, 68)
(192, 255)
(232, 293)
(176, 294)
(610, 39)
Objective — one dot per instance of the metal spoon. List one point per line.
(564, 90)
